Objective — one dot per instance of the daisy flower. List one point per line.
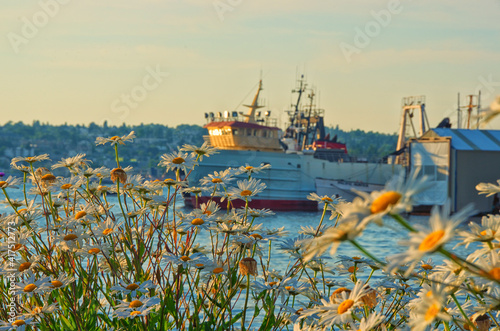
(18, 325)
(115, 139)
(347, 229)
(134, 305)
(62, 281)
(39, 312)
(325, 199)
(141, 311)
(29, 159)
(488, 231)
(11, 182)
(218, 177)
(397, 197)
(199, 152)
(249, 170)
(71, 240)
(89, 250)
(488, 188)
(370, 322)
(32, 286)
(177, 160)
(340, 310)
(428, 308)
(26, 265)
(133, 288)
(251, 212)
(107, 228)
(442, 228)
(247, 189)
(72, 163)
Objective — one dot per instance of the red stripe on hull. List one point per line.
(277, 205)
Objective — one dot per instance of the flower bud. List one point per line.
(118, 174)
(248, 266)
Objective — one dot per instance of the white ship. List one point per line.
(298, 155)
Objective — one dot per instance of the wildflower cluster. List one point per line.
(104, 249)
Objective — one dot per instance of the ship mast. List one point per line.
(250, 116)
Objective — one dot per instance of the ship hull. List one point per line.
(291, 177)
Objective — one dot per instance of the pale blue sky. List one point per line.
(78, 64)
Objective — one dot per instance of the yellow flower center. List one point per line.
(178, 160)
(185, 258)
(24, 266)
(495, 273)
(94, 251)
(341, 289)
(135, 312)
(132, 287)
(356, 258)
(273, 283)
(431, 240)
(197, 221)
(384, 201)
(37, 310)
(56, 283)
(216, 180)
(249, 168)
(135, 304)
(18, 323)
(345, 305)
(66, 186)
(3, 184)
(289, 288)
(426, 266)
(352, 269)
(207, 212)
(114, 138)
(199, 265)
(245, 193)
(49, 177)
(80, 214)
(29, 288)
(429, 294)
(70, 236)
(327, 199)
(107, 231)
(17, 247)
(432, 312)
(256, 236)
(485, 233)
(218, 270)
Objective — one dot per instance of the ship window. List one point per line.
(235, 132)
(249, 132)
(255, 132)
(264, 134)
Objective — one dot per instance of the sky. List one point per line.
(170, 61)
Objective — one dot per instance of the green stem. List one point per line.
(463, 313)
(246, 304)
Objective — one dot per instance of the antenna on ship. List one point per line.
(473, 98)
(250, 116)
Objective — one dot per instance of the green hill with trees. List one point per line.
(153, 140)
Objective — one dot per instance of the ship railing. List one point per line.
(262, 120)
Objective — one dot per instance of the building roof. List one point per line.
(238, 124)
(469, 140)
